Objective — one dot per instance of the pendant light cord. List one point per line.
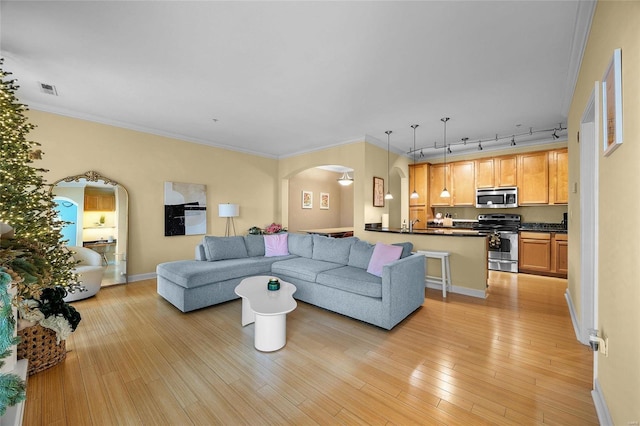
(445, 193)
(388, 194)
(414, 126)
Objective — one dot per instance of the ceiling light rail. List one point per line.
(510, 140)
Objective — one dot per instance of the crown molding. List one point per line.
(582, 27)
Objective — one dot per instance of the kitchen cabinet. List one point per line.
(419, 213)
(559, 176)
(97, 201)
(497, 172)
(418, 178)
(485, 175)
(560, 254)
(533, 178)
(543, 253)
(463, 188)
(506, 171)
(439, 178)
(534, 252)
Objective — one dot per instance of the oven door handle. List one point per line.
(503, 261)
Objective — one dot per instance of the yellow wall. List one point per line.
(616, 24)
(142, 163)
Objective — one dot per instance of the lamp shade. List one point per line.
(228, 210)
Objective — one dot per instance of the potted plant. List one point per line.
(274, 228)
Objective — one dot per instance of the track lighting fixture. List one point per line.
(497, 139)
(414, 194)
(388, 195)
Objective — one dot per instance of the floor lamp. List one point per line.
(229, 211)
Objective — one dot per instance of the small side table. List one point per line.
(268, 309)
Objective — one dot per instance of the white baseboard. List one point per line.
(466, 291)
(604, 417)
(574, 318)
(142, 277)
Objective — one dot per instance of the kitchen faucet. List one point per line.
(411, 223)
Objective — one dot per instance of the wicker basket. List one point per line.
(38, 345)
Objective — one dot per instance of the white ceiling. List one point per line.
(283, 78)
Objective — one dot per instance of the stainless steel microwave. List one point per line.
(497, 198)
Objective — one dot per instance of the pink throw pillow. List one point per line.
(276, 245)
(382, 254)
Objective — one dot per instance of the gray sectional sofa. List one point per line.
(328, 272)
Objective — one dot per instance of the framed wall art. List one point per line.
(612, 104)
(307, 199)
(185, 209)
(324, 201)
(378, 192)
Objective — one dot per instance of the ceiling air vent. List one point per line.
(49, 89)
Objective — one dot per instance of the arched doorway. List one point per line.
(316, 200)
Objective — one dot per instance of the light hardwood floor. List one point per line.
(135, 359)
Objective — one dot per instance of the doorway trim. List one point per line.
(589, 178)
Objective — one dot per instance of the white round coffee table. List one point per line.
(268, 309)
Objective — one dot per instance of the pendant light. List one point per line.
(414, 194)
(445, 193)
(345, 180)
(388, 196)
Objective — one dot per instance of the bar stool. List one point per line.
(445, 279)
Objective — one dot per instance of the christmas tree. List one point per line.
(32, 258)
(26, 204)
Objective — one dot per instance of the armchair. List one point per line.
(90, 272)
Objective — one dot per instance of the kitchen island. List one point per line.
(467, 248)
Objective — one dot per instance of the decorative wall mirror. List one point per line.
(98, 209)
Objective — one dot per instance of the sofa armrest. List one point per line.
(403, 287)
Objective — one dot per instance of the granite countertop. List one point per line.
(558, 228)
(99, 242)
(431, 231)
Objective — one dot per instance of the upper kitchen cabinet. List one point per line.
(418, 176)
(485, 174)
(506, 171)
(559, 176)
(533, 178)
(463, 188)
(495, 172)
(99, 200)
(439, 178)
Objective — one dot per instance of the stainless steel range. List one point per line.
(502, 230)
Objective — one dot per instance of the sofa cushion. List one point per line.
(302, 268)
(255, 245)
(334, 250)
(360, 254)
(406, 249)
(193, 273)
(352, 279)
(301, 245)
(275, 245)
(383, 254)
(221, 248)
